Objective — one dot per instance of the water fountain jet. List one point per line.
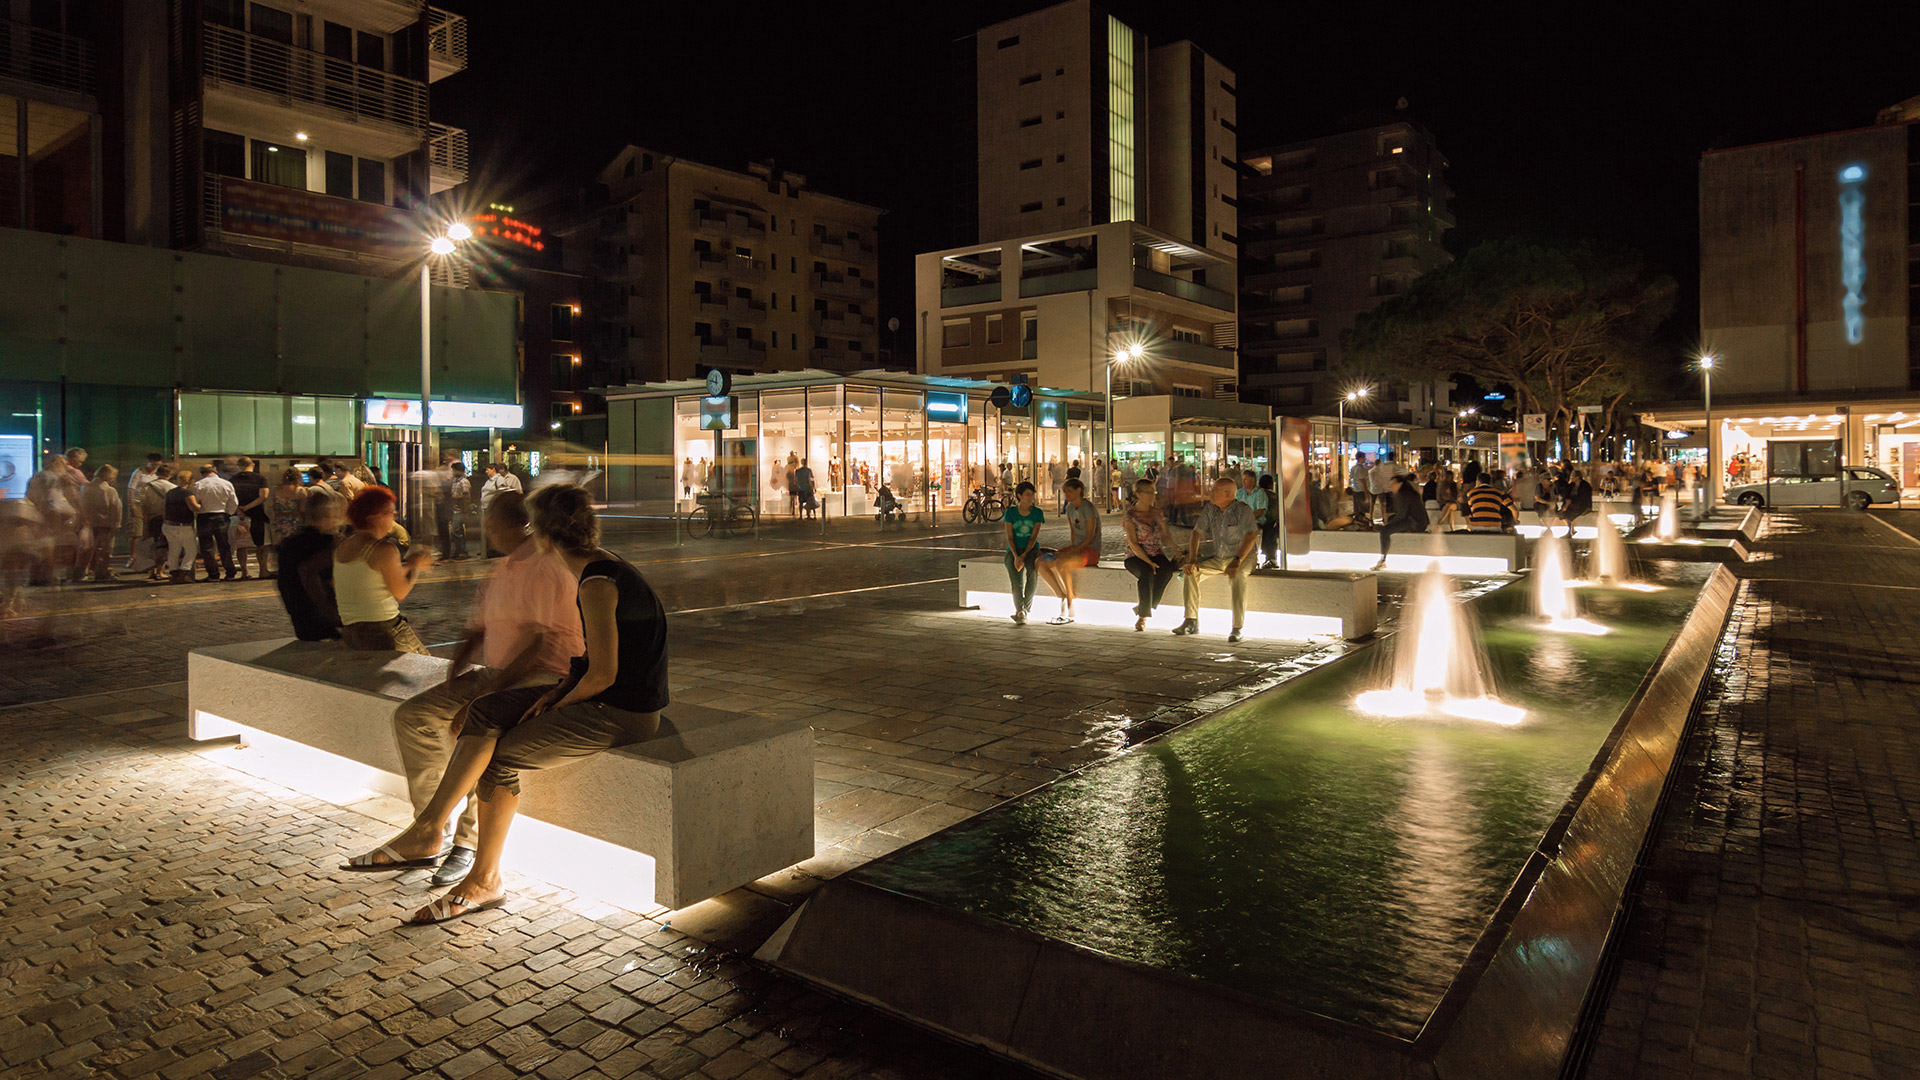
(1668, 528)
(1609, 555)
(1438, 666)
(1553, 596)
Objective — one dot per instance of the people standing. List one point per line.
(1022, 554)
(1149, 551)
(218, 501)
(1408, 515)
(1229, 526)
(1270, 524)
(286, 510)
(149, 514)
(1082, 547)
(459, 498)
(305, 558)
(612, 696)
(54, 494)
(801, 484)
(370, 578)
(1380, 486)
(250, 489)
(499, 480)
(100, 513)
(181, 516)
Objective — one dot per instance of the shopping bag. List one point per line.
(146, 555)
(242, 533)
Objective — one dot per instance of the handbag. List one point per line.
(145, 557)
(241, 532)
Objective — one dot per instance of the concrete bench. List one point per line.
(713, 801)
(1280, 603)
(1459, 553)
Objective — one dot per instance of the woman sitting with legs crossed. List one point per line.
(612, 697)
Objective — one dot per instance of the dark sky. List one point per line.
(1576, 120)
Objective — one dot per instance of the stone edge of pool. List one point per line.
(1512, 1011)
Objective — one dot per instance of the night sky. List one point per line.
(1556, 123)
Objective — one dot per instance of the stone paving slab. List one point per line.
(1778, 929)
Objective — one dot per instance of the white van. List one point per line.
(1865, 485)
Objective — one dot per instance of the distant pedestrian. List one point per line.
(218, 502)
(801, 484)
(100, 513)
(181, 528)
(149, 512)
(1269, 523)
(370, 578)
(250, 488)
(459, 499)
(1022, 555)
(1408, 515)
(1149, 551)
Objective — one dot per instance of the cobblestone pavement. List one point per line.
(1778, 927)
(169, 916)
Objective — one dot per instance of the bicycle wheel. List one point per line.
(700, 522)
(970, 513)
(741, 519)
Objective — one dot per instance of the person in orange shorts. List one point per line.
(1082, 549)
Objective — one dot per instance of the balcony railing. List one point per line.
(308, 223)
(962, 295)
(848, 325)
(1049, 284)
(713, 220)
(46, 57)
(855, 288)
(1193, 352)
(839, 247)
(1144, 278)
(722, 264)
(446, 43)
(447, 156)
(300, 78)
(842, 360)
(729, 351)
(709, 306)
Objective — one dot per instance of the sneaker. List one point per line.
(1019, 618)
(1235, 636)
(1381, 565)
(1190, 626)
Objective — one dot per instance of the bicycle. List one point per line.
(723, 513)
(983, 505)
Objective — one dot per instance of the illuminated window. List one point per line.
(1120, 120)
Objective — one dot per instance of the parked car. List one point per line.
(1865, 485)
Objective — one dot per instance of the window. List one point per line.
(1028, 208)
(628, 171)
(224, 154)
(402, 182)
(562, 322)
(1031, 121)
(793, 341)
(339, 175)
(1033, 164)
(560, 410)
(1058, 158)
(1228, 87)
(957, 334)
(337, 41)
(373, 180)
(1228, 124)
(1181, 333)
(793, 302)
(1060, 114)
(1189, 391)
(1060, 201)
(775, 300)
(1008, 43)
(373, 51)
(282, 166)
(1026, 80)
(270, 23)
(1059, 71)
(563, 367)
(996, 329)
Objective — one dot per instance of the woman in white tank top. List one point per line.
(370, 580)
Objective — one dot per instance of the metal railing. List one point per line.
(46, 57)
(297, 77)
(1146, 278)
(447, 156)
(446, 42)
(842, 285)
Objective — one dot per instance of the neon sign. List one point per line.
(511, 230)
(1853, 239)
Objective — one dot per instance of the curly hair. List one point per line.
(563, 513)
(372, 500)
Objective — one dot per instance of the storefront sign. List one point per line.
(719, 414)
(1049, 413)
(1535, 425)
(946, 408)
(303, 217)
(16, 465)
(405, 412)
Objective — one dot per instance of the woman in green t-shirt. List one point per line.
(1023, 548)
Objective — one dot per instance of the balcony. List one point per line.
(731, 308)
(848, 325)
(46, 58)
(731, 350)
(729, 266)
(839, 247)
(1192, 352)
(843, 286)
(961, 295)
(446, 44)
(255, 82)
(723, 222)
(447, 157)
(842, 360)
(1050, 284)
(290, 222)
(1168, 285)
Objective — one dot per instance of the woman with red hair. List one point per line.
(370, 579)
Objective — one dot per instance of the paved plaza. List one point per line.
(169, 916)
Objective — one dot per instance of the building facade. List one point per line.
(219, 209)
(697, 267)
(1810, 304)
(1329, 228)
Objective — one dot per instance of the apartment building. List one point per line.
(1104, 213)
(697, 267)
(1329, 228)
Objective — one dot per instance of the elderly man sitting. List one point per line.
(1231, 528)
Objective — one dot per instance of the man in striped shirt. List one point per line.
(1488, 508)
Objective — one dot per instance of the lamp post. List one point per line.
(1707, 361)
(1125, 355)
(441, 245)
(1340, 444)
(1456, 431)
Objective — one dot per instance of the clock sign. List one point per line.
(718, 383)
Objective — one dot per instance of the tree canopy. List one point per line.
(1563, 325)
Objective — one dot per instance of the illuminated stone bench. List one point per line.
(713, 801)
(1280, 603)
(1460, 553)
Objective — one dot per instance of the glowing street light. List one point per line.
(438, 246)
(1456, 429)
(1707, 362)
(1124, 355)
(1357, 394)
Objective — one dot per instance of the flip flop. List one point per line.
(450, 907)
(364, 864)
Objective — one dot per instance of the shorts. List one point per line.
(1071, 558)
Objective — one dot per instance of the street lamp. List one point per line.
(442, 246)
(1456, 431)
(1126, 354)
(1707, 361)
(1340, 444)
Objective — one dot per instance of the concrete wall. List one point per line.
(1748, 262)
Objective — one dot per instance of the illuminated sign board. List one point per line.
(405, 412)
(1853, 242)
(500, 226)
(946, 408)
(718, 414)
(1049, 414)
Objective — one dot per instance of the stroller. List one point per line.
(887, 509)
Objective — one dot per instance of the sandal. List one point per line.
(450, 907)
(365, 864)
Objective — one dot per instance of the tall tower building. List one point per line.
(1331, 227)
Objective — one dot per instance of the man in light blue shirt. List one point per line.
(1232, 529)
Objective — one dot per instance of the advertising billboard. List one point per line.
(405, 412)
